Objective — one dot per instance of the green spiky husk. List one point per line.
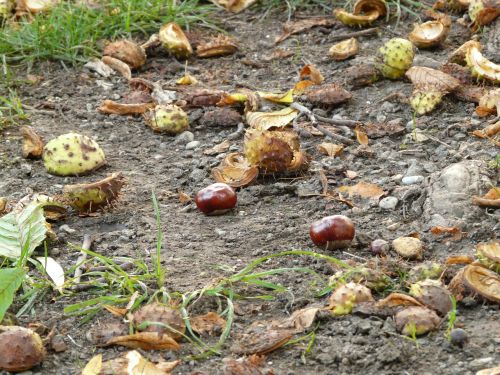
(424, 102)
(395, 57)
(169, 119)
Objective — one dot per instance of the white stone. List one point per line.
(388, 203)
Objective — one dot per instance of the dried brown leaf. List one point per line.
(146, 341)
(184, 198)
(300, 320)
(459, 259)
(455, 232)
(364, 190)
(32, 143)
(218, 149)
(361, 136)
(116, 311)
(330, 149)
(112, 107)
(437, 80)
(295, 27)
(218, 46)
(210, 323)
(312, 73)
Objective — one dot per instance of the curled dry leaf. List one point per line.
(311, 72)
(187, 79)
(116, 311)
(283, 98)
(330, 149)
(218, 46)
(489, 103)
(174, 40)
(295, 27)
(218, 149)
(455, 232)
(88, 198)
(268, 120)
(146, 341)
(251, 365)
(261, 340)
(302, 86)
(234, 6)
(32, 143)
(480, 66)
(429, 34)
(459, 259)
(159, 318)
(118, 66)
(483, 12)
(361, 136)
(364, 190)
(343, 50)
(112, 107)
(127, 51)
(488, 254)
(490, 199)
(300, 320)
(208, 324)
(53, 270)
(416, 320)
(328, 95)
(133, 363)
(476, 280)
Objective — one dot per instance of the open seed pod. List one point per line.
(433, 295)
(428, 34)
(476, 280)
(272, 151)
(395, 57)
(22, 349)
(345, 49)
(35, 6)
(175, 41)
(169, 119)
(54, 208)
(416, 320)
(218, 46)
(488, 254)
(127, 51)
(72, 154)
(483, 12)
(235, 171)
(346, 296)
(300, 162)
(489, 103)
(160, 318)
(87, 198)
(480, 66)
(364, 13)
(430, 85)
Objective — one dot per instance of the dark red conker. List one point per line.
(215, 199)
(332, 232)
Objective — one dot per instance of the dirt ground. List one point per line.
(275, 213)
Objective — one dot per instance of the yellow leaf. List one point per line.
(286, 98)
(187, 79)
(267, 120)
(301, 86)
(330, 149)
(94, 366)
(310, 71)
(361, 136)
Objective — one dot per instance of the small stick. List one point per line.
(341, 122)
(354, 34)
(87, 242)
(484, 202)
(239, 131)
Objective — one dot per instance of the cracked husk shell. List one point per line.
(72, 154)
(267, 150)
(433, 295)
(127, 51)
(169, 320)
(346, 296)
(480, 66)
(169, 119)
(416, 319)
(175, 41)
(488, 254)
(476, 280)
(365, 6)
(345, 49)
(428, 34)
(483, 12)
(395, 57)
(87, 198)
(424, 101)
(35, 6)
(351, 19)
(21, 349)
(219, 46)
(489, 103)
(235, 171)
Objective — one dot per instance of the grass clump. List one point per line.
(72, 33)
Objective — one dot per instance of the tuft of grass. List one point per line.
(158, 270)
(452, 317)
(72, 33)
(11, 108)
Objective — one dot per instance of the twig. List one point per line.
(373, 30)
(485, 202)
(87, 242)
(314, 122)
(238, 132)
(341, 122)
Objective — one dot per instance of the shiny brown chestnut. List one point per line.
(216, 199)
(332, 232)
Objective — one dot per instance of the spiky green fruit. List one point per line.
(427, 270)
(424, 102)
(72, 154)
(346, 296)
(395, 57)
(169, 119)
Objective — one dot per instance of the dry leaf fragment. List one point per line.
(146, 341)
(112, 107)
(268, 120)
(312, 73)
(262, 341)
(283, 98)
(432, 78)
(490, 199)
(455, 232)
(133, 363)
(489, 103)
(53, 270)
(295, 27)
(302, 86)
(361, 136)
(94, 366)
(218, 149)
(343, 50)
(32, 143)
(251, 365)
(300, 320)
(116, 311)
(210, 323)
(330, 149)
(118, 66)
(364, 190)
(234, 6)
(328, 95)
(218, 46)
(126, 51)
(459, 259)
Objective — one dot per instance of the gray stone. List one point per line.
(67, 229)
(192, 145)
(479, 363)
(184, 138)
(197, 175)
(388, 203)
(411, 180)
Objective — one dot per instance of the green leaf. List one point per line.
(21, 231)
(10, 281)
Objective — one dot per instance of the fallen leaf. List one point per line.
(295, 27)
(302, 86)
(328, 95)
(364, 190)
(488, 132)
(133, 363)
(311, 73)
(146, 341)
(112, 107)
(118, 66)
(284, 98)
(218, 46)
(187, 79)
(268, 120)
(94, 366)
(251, 365)
(184, 198)
(116, 311)
(54, 270)
(361, 136)
(234, 6)
(32, 143)
(459, 259)
(210, 323)
(300, 320)
(330, 149)
(278, 53)
(454, 231)
(218, 149)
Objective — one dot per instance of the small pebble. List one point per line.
(408, 247)
(410, 180)
(184, 138)
(67, 229)
(57, 343)
(458, 337)
(388, 203)
(192, 145)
